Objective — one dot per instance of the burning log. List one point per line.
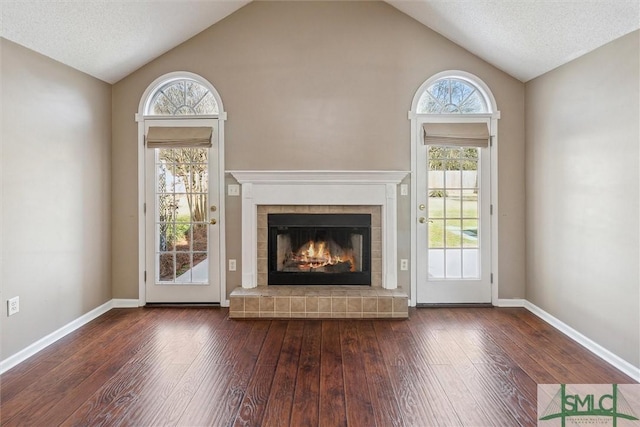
(319, 257)
(340, 267)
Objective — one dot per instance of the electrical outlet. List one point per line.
(404, 189)
(232, 265)
(233, 190)
(404, 264)
(13, 306)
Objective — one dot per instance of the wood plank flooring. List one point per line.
(196, 367)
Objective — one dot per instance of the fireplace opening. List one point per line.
(319, 249)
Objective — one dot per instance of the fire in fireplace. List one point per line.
(316, 256)
(319, 249)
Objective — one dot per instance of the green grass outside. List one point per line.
(461, 215)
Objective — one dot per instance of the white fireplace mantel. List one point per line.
(319, 188)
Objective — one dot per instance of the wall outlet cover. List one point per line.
(13, 306)
(233, 190)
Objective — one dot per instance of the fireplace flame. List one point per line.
(317, 254)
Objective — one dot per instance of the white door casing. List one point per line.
(145, 117)
(423, 290)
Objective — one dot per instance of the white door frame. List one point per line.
(140, 118)
(417, 120)
(454, 290)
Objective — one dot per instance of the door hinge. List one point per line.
(145, 276)
(490, 277)
(490, 209)
(144, 208)
(491, 141)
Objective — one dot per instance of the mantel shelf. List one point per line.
(325, 177)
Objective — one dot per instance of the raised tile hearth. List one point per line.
(318, 302)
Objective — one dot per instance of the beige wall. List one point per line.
(317, 85)
(582, 195)
(56, 194)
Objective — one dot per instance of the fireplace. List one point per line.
(265, 192)
(319, 249)
(371, 194)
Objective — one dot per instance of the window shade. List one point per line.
(179, 137)
(456, 134)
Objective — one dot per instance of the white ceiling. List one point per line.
(527, 38)
(109, 39)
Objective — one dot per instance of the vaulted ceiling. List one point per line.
(110, 39)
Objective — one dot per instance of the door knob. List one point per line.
(213, 221)
(422, 220)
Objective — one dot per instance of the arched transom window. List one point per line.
(452, 95)
(182, 97)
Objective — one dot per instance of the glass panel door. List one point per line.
(454, 227)
(182, 221)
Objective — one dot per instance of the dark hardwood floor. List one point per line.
(195, 367)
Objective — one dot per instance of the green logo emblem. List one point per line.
(566, 405)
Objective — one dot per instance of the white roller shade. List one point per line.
(456, 134)
(179, 137)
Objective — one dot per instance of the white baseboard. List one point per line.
(515, 302)
(26, 353)
(126, 303)
(588, 343)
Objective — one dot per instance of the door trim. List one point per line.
(140, 118)
(417, 120)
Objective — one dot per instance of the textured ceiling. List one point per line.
(109, 39)
(527, 38)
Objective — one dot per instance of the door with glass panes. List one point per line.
(182, 230)
(454, 226)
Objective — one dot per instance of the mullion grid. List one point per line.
(459, 220)
(173, 223)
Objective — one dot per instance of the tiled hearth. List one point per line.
(318, 302)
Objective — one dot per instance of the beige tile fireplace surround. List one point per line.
(369, 192)
(376, 236)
